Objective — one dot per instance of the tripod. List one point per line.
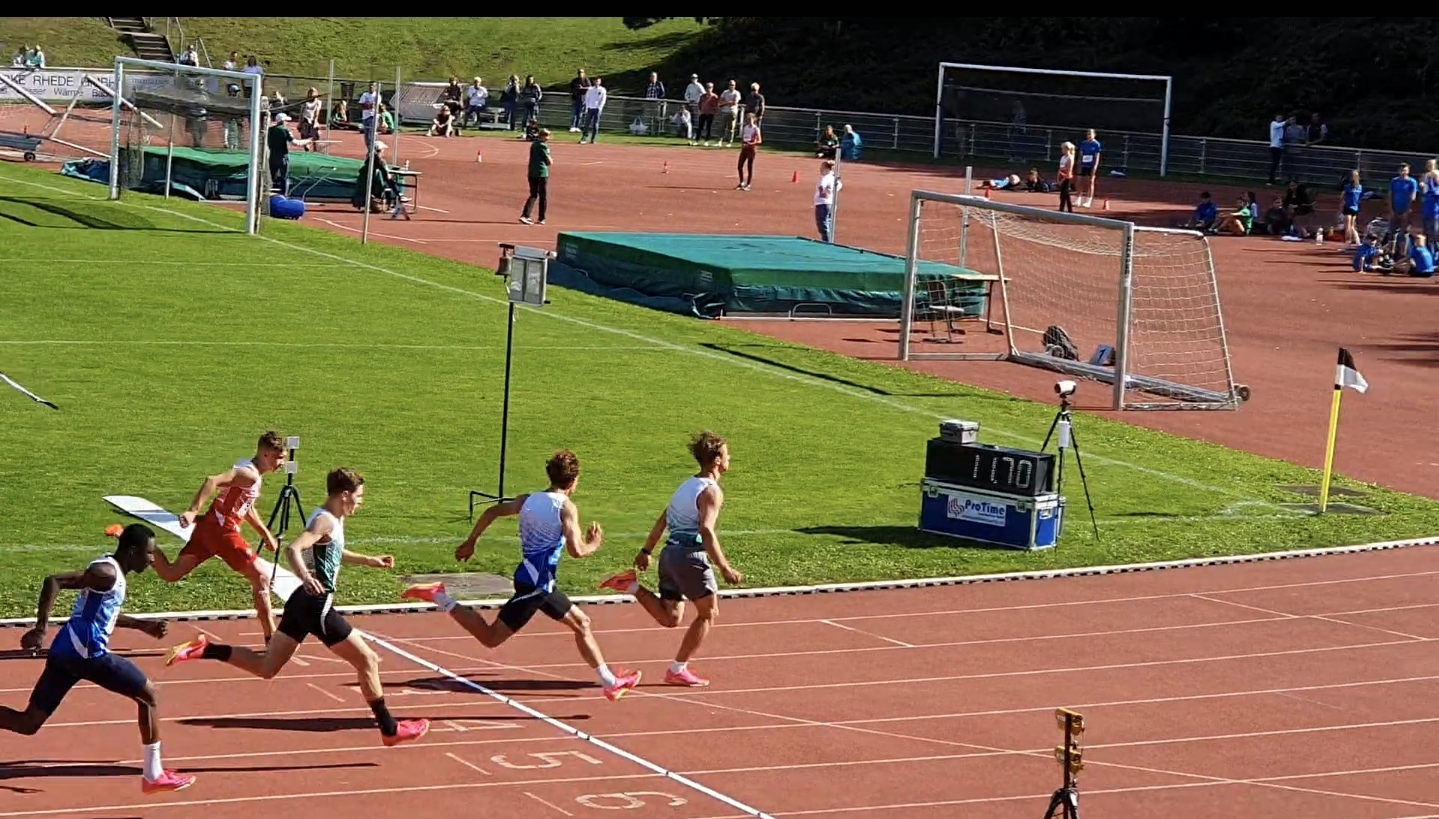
(289, 497)
(1064, 422)
(1065, 802)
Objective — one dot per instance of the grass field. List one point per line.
(429, 48)
(170, 341)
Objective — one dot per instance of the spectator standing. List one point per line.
(595, 97)
(750, 139)
(233, 63)
(310, 117)
(1429, 187)
(369, 106)
(1318, 131)
(510, 100)
(539, 176)
(827, 144)
(729, 114)
(578, 87)
(454, 92)
(851, 146)
(824, 192)
(709, 103)
(693, 92)
(1089, 151)
(252, 66)
(754, 103)
(1402, 190)
(1065, 177)
(1353, 195)
(478, 99)
(1276, 144)
(530, 97)
(190, 58)
(656, 108)
(279, 139)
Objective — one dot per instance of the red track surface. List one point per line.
(1303, 687)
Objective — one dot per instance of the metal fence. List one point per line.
(1001, 144)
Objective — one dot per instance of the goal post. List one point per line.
(214, 116)
(1010, 108)
(1133, 307)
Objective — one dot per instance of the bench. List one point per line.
(24, 143)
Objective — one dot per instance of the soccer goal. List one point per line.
(1025, 113)
(1100, 299)
(175, 124)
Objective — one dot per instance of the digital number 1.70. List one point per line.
(1006, 470)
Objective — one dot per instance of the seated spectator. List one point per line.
(35, 59)
(384, 189)
(340, 117)
(477, 102)
(387, 119)
(1008, 183)
(1034, 183)
(850, 145)
(1368, 258)
(683, 123)
(532, 130)
(1206, 213)
(18, 61)
(443, 123)
(1276, 220)
(1421, 258)
(1239, 221)
(828, 144)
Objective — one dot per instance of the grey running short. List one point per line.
(686, 574)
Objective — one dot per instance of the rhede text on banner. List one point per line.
(62, 85)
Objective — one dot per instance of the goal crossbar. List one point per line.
(1147, 294)
(136, 66)
(1167, 80)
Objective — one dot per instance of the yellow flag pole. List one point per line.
(1329, 449)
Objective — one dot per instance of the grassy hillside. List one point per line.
(428, 48)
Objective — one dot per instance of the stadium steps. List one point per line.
(147, 44)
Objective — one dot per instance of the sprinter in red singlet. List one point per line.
(217, 532)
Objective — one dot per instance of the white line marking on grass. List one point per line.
(472, 766)
(322, 344)
(549, 804)
(333, 224)
(699, 353)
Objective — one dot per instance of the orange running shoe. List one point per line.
(409, 730)
(621, 582)
(423, 591)
(168, 781)
(193, 650)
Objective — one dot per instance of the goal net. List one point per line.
(1093, 298)
(188, 131)
(1024, 114)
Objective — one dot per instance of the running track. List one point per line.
(1302, 687)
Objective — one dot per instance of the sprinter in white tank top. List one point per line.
(686, 563)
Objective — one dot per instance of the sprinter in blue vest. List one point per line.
(81, 650)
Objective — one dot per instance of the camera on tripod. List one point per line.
(1065, 389)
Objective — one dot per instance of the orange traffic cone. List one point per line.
(666, 167)
(479, 157)
(795, 179)
(1106, 204)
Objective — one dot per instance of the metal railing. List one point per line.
(999, 143)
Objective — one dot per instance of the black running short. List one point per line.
(63, 671)
(527, 600)
(307, 613)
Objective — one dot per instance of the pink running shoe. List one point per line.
(423, 591)
(621, 582)
(409, 730)
(193, 650)
(686, 678)
(168, 781)
(623, 682)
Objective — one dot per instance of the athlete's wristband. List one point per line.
(647, 551)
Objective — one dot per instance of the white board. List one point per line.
(285, 582)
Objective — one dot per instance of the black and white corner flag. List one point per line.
(1347, 375)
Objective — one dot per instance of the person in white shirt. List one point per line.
(369, 102)
(1277, 127)
(728, 114)
(478, 99)
(18, 61)
(693, 92)
(824, 192)
(233, 64)
(310, 117)
(595, 97)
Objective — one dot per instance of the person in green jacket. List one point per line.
(540, 162)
